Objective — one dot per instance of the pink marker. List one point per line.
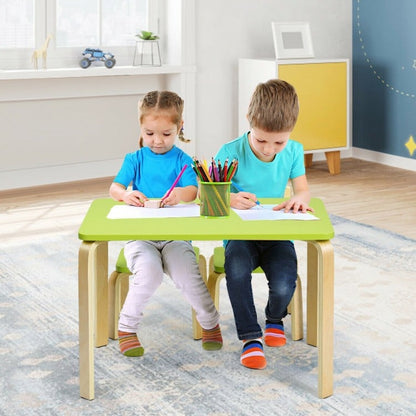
(175, 183)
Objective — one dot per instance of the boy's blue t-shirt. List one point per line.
(153, 174)
(264, 179)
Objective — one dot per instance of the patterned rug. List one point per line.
(374, 350)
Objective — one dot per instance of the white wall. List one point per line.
(67, 129)
(62, 138)
(71, 124)
(233, 29)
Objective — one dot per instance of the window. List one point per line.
(105, 22)
(17, 24)
(75, 25)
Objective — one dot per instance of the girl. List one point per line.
(152, 169)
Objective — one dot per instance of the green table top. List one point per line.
(96, 226)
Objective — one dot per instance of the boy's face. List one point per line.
(265, 144)
(159, 132)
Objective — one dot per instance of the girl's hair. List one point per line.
(274, 106)
(166, 101)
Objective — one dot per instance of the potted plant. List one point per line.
(147, 35)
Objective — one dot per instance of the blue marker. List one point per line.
(240, 190)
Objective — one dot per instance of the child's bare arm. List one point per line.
(300, 199)
(119, 193)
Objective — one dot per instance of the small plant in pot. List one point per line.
(146, 35)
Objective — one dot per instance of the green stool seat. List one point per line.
(121, 265)
(219, 259)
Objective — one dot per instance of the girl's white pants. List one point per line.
(148, 261)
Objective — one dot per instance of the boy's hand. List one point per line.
(134, 198)
(295, 204)
(243, 200)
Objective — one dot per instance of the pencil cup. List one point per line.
(215, 199)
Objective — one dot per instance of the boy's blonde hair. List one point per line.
(166, 101)
(274, 106)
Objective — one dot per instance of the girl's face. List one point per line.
(159, 132)
(265, 144)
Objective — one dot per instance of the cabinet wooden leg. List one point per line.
(333, 159)
(308, 160)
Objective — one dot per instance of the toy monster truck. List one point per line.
(92, 55)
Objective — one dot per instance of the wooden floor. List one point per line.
(369, 193)
(366, 192)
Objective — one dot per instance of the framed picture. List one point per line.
(292, 40)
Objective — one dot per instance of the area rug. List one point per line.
(374, 345)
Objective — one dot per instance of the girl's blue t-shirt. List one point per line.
(265, 179)
(153, 174)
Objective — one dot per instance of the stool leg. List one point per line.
(112, 315)
(196, 328)
(118, 287)
(122, 288)
(213, 283)
(296, 311)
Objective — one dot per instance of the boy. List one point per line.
(267, 159)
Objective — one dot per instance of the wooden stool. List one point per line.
(216, 273)
(118, 286)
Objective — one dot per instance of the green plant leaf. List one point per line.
(146, 35)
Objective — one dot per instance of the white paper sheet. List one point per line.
(265, 212)
(128, 211)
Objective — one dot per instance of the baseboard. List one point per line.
(384, 159)
(375, 157)
(24, 178)
(319, 156)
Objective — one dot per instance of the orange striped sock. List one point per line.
(130, 344)
(212, 338)
(252, 355)
(274, 334)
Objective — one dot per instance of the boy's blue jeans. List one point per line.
(279, 263)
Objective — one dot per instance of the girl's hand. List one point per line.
(243, 200)
(134, 198)
(174, 198)
(295, 204)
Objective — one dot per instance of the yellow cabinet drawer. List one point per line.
(322, 92)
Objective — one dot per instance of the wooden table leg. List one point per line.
(320, 311)
(312, 296)
(91, 269)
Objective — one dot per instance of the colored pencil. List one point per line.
(204, 168)
(215, 171)
(175, 183)
(220, 174)
(232, 170)
(224, 171)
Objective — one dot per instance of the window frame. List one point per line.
(64, 56)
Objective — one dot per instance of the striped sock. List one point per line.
(274, 334)
(211, 338)
(252, 355)
(130, 344)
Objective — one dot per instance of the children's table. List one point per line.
(97, 230)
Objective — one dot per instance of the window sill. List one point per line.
(98, 71)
